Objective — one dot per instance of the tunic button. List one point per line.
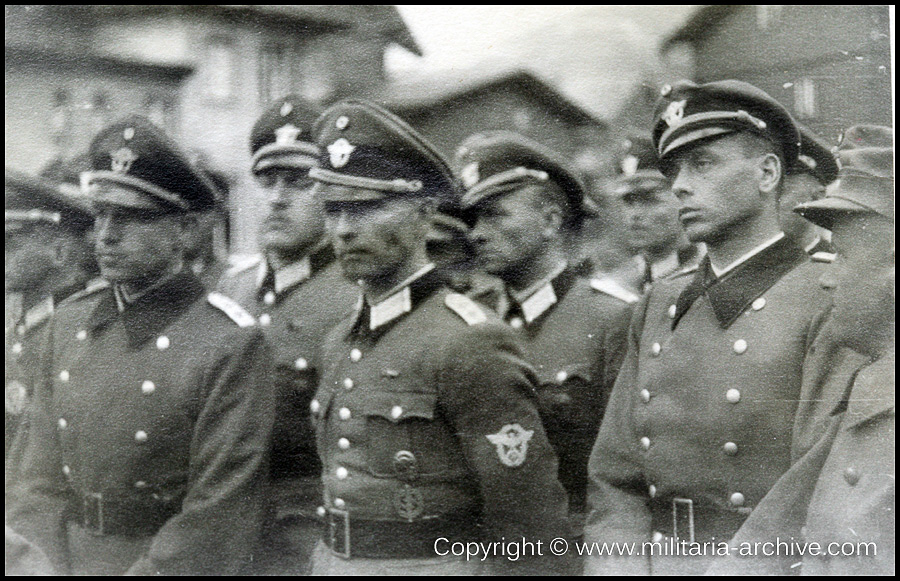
(348, 383)
(81, 335)
(314, 406)
(656, 349)
(321, 511)
(300, 364)
(759, 303)
(344, 413)
(64, 375)
(516, 323)
(733, 395)
(658, 537)
(645, 443)
(645, 396)
(344, 444)
(339, 503)
(341, 473)
(140, 484)
(265, 319)
(269, 298)
(730, 448)
(737, 499)
(148, 387)
(355, 355)
(672, 312)
(140, 436)
(396, 412)
(851, 475)
(63, 424)
(17, 348)
(652, 491)
(740, 346)
(20, 330)
(162, 342)
(562, 376)
(67, 470)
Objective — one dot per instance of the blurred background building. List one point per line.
(575, 77)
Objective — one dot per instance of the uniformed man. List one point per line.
(842, 490)
(651, 214)
(698, 427)
(816, 168)
(47, 259)
(298, 294)
(529, 205)
(426, 421)
(147, 451)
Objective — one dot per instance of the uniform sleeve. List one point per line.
(221, 514)
(617, 498)
(40, 494)
(486, 391)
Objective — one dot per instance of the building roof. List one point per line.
(703, 22)
(378, 20)
(428, 92)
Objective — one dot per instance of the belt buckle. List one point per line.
(92, 516)
(688, 509)
(339, 532)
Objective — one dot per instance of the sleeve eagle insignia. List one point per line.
(512, 444)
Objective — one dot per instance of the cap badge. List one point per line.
(665, 90)
(342, 122)
(121, 160)
(287, 134)
(629, 165)
(286, 109)
(674, 113)
(340, 151)
(469, 175)
(512, 444)
(128, 134)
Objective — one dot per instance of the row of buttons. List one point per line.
(736, 498)
(740, 347)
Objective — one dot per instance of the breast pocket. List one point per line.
(406, 439)
(568, 398)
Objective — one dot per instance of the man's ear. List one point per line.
(771, 172)
(552, 216)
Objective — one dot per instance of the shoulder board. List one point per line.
(92, 287)
(231, 308)
(614, 289)
(466, 308)
(826, 257)
(238, 263)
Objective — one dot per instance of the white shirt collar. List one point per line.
(813, 244)
(721, 272)
(667, 265)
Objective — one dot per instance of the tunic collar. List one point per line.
(731, 294)
(151, 312)
(400, 300)
(541, 296)
(720, 272)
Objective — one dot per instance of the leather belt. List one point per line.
(353, 538)
(135, 517)
(688, 520)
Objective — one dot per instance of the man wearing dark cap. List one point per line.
(842, 492)
(651, 212)
(805, 181)
(425, 416)
(148, 446)
(47, 259)
(297, 293)
(698, 427)
(528, 206)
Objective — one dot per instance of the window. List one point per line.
(274, 72)
(219, 68)
(805, 98)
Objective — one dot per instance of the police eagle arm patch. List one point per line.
(231, 308)
(466, 308)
